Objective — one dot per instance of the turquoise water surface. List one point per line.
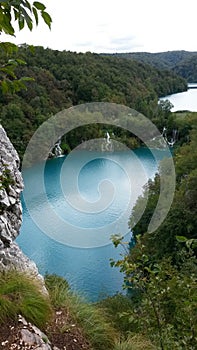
(80, 248)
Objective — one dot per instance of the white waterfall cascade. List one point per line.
(162, 140)
(56, 151)
(173, 138)
(107, 144)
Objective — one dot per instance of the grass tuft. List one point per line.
(89, 318)
(20, 294)
(58, 288)
(137, 342)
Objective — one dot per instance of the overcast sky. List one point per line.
(116, 26)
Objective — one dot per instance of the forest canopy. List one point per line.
(64, 79)
(184, 63)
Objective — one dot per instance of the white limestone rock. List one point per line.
(11, 186)
(10, 205)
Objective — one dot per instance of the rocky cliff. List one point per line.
(11, 186)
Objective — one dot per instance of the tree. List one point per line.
(24, 13)
(163, 296)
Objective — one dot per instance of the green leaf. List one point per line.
(12, 62)
(27, 4)
(9, 70)
(16, 14)
(4, 86)
(35, 15)
(27, 19)
(194, 244)
(27, 79)
(7, 27)
(19, 61)
(39, 5)
(30, 25)
(21, 23)
(47, 18)
(131, 319)
(8, 47)
(181, 239)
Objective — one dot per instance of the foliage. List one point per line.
(182, 217)
(188, 68)
(183, 63)
(6, 179)
(160, 60)
(58, 288)
(19, 294)
(135, 342)
(96, 328)
(164, 298)
(24, 13)
(160, 271)
(113, 308)
(63, 79)
(8, 79)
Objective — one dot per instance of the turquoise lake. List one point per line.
(80, 248)
(184, 101)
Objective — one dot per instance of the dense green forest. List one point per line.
(184, 63)
(161, 268)
(188, 69)
(64, 79)
(182, 217)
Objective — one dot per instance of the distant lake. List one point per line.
(87, 269)
(186, 100)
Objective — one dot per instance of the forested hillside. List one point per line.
(184, 63)
(188, 69)
(63, 79)
(161, 268)
(182, 218)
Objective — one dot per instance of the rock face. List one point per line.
(11, 185)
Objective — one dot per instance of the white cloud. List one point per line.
(112, 26)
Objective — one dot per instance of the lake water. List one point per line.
(186, 100)
(81, 251)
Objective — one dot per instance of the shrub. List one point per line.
(114, 308)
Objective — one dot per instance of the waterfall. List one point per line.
(173, 138)
(56, 150)
(107, 144)
(108, 137)
(162, 140)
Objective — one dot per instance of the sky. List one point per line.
(115, 26)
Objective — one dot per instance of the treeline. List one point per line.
(64, 79)
(188, 69)
(182, 217)
(183, 63)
